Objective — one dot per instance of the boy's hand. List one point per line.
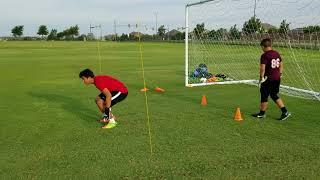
(105, 116)
(262, 79)
(103, 120)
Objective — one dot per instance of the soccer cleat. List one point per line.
(284, 116)
(109, 126)
(112, 117)
(258, 115)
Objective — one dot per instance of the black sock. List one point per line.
(262, 112)
(284, 110)
(106, 112)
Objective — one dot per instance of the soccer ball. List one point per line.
(203, 80)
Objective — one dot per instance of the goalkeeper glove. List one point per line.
(263, 79)
(106, 113)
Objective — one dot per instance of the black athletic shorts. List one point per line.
(116, 97)
(269, 88)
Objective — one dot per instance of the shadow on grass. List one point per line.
(69, 104)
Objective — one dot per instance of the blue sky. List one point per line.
(60, 14)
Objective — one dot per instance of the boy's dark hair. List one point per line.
(266, 42)
(86, 73)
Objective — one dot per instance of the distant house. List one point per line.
(297, 30)
(136, 34)
(172, 33)
(267, 26)
(109, 37)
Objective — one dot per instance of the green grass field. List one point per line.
(49, 127)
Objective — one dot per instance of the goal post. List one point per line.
(222, 43)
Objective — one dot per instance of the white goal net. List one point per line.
(223, 42)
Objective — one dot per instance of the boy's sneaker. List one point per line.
(284, 116)
(112, 117)
(109, 126)
(258, 115)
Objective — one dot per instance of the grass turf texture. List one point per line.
(49, 125)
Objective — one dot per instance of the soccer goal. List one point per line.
(222, 42)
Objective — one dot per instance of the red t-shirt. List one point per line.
(112, 84)
(272, 61)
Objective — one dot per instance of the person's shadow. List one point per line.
(69, 104)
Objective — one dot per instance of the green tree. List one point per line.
(221, 33)
(234, 32)
(43, 31)
(212, 34)
(69, 34)
(161, 31)
(60, 35)
(124, 37)
(82, 37)
(273, 30)
(17, 31)
(311, 29)
(284, 27)
(253, 25)
(199, 30)
(52, 35)
(178, 36)
(73, 31)
(66, 34)
(146, 37)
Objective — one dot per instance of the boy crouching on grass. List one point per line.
(112, 91)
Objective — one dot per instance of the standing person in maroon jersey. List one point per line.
(112, 91)
(271, 67)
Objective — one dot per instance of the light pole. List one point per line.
(156, 14)
(255, 7)
(94, 27)
(100, 27)
(115, 30)
(91, 27)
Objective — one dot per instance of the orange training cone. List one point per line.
(144, 90)
(204, 100)
(237, 116)
(159, 90)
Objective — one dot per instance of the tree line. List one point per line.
(252, 26)
(162, 34)
(71, 33)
